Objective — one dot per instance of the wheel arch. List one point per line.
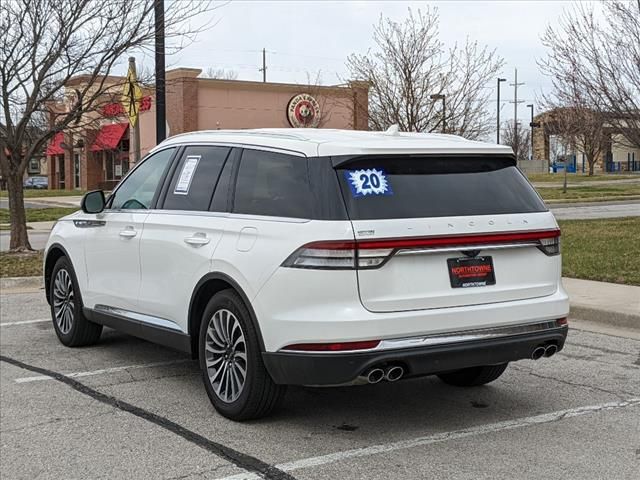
(206, 287)
(54, 253)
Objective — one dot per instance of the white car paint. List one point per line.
(154, 269)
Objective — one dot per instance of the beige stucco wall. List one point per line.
(222, 105)
(621, 150)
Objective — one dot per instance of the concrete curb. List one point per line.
(12, 284)
(607, 317)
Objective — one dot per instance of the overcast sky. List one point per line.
(312, 36)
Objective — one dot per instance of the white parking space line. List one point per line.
(103, 371)
(443, 437)
(24, 322)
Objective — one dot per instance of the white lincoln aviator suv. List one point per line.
(316, 257)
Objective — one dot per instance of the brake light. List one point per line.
(369, 254)
(333, 347)
(550, 246)
(324, 255)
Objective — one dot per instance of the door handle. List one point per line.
(197, 240)
(128, 232)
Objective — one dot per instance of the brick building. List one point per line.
(98, 155)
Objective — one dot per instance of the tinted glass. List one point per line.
(220, 202)
(138, 189)
(439, 187)
(273, 184)
(195, 178)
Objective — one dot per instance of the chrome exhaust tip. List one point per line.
(550, 350)
(538, 353)
(393, 374)
(375, 375)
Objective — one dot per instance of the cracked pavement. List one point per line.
(570, 416)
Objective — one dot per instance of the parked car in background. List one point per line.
(316, 257)
(37, 183)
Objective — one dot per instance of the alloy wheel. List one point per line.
(63, 304)
(226, 355)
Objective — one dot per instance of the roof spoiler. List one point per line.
(344, 160)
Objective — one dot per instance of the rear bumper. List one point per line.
(342, 368)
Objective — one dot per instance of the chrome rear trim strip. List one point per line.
(466, 248)
(450, 337)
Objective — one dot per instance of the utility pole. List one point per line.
(264, 65)
(161, 109)
(515, 102)
(531, 125)
(500, 80)
(443, 97)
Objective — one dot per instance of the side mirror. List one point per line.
(93, 202)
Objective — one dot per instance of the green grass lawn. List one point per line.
(29, 193)
(40, 214)
(576, 177)
(591, 193)
(607, 250)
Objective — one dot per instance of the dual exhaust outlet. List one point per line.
(544, 351)
(377, 374)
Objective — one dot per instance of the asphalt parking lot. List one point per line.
(130, 409)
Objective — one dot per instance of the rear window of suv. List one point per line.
(419, 186)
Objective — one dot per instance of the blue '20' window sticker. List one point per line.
(370, 181)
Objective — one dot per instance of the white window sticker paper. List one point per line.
(186, 175)
(372, 181)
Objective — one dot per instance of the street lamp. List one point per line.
(500, 80)
(440, 96)
(531, 125)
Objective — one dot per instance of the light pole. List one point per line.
(500, 80)
(531, 130)
(161, 119)
(441, 96)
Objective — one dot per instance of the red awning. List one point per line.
(109, 137)
(55, 147)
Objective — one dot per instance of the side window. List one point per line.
(273, 184)
(138, 189)
(195, 178)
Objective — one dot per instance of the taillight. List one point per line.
(369, 254)
(550, 246)
(324, 255)
(333, 347)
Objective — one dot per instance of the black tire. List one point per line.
(259, 395)
(78, 331)
(474, 376)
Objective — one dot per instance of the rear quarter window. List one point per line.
(273, 184)
(427, 186)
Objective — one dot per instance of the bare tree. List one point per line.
(410, 65)
(49, 44)
(220, 74)
(519, 141)
(599, 57)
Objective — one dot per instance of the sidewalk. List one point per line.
(610, 303)
(40, 226)
(61, 201)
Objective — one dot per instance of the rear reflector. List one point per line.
(332, 347)
(368, 254)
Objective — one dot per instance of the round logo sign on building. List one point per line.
(303, 111)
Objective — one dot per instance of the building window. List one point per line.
(76, 170)
(34, 165)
